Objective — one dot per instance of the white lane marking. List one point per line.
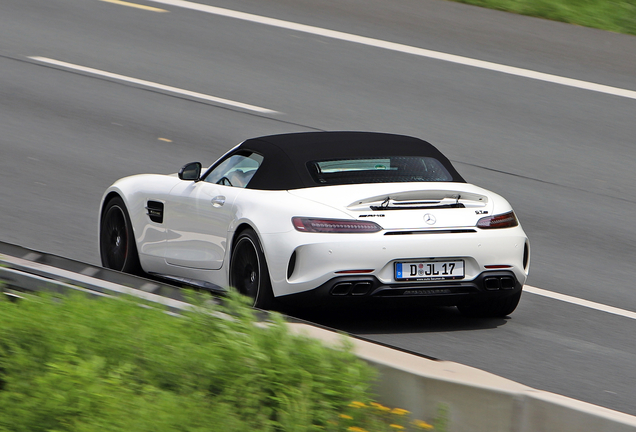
(151, 84)
(378, 43)
(135, 5)
(580, 302)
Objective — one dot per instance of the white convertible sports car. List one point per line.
(322, 218)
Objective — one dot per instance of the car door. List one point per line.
(199, 214)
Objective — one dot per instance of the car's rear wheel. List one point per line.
(248, 270)
(492, 308)
(116, 239)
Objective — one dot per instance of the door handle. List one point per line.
(218, 201)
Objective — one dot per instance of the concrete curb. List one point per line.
(476, 400)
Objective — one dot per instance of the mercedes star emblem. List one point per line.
(429, 219)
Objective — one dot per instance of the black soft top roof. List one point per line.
(286, 156)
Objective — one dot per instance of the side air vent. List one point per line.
(155, 211)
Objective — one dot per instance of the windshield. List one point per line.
(388, 169)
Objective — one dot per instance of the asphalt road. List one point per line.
(564, 156)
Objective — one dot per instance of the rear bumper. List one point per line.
(351, 290)
(300, 262)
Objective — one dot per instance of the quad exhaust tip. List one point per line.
(491, 283)
(495, 283)
(351, 288)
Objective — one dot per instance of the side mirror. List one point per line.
(190, 171)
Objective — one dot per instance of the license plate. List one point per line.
(429, 270)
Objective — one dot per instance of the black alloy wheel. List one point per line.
(248, 270)
(116, 239)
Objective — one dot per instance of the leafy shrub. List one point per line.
(615, 15)
(86, 364)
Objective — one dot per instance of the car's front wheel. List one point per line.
(491, 308)
(248, 270)
(116, 239)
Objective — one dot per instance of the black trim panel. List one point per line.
(358, 289)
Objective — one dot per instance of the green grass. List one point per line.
(613, 15)
(84, 364)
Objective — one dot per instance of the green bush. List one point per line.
(87, 364)
(613, 15)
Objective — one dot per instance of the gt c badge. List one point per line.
(429, 219)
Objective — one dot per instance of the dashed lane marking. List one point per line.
(154, 85)
(135, 5)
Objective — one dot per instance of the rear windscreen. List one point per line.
(379, 170)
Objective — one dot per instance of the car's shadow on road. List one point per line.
(396, 320)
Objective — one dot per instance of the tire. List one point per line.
(116, 239)
(494, 308)
(248, 270)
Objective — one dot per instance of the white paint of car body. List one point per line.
(319, 255)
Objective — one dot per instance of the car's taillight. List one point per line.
(505, 220)
(334, 225)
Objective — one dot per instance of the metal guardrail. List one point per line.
(24, 270)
